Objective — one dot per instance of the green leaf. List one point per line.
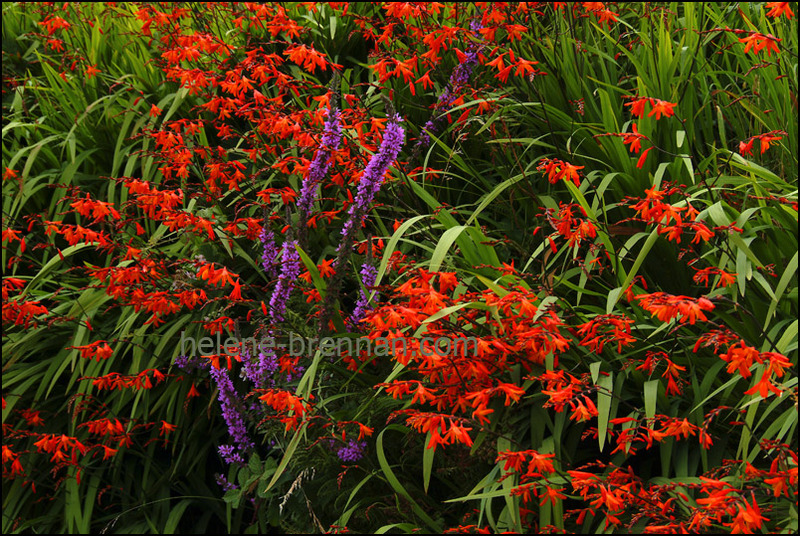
(788, 276)
(287, 456)
(443, 245)
(606, 385)
(392, 244)
(650, 398)
(175, 515)
(427, 463)
(395, 483)
(648, 245)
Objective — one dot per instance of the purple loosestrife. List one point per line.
(353, 452)
(224, 484)
(368, 187)
(250, 368)
(368, 275)
(229, 454)
(290, 271)
(255, 369)
(270, 253)
(190, 363)
(267, 365)
(230, 404)
(458, 79)
(331, 139)
(319, 166)
(371, 180)
(299, 370)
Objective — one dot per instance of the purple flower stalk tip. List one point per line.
(331, 139)
(372, 178)
(229, 454)
(229, 402)
(458, 78)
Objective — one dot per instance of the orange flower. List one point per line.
(582, 413)
(552, 494)
(741, 357)
(748, 520)
(725, 279)
(166, 428)
(108, 452)
(92, 71)
(746, 147)
(766, 139)
(16, 468)
(776, 9)
(8, 454)
(643, 158)
(364, 431)
(458, 434)
(606, 16)
(666, 307)
(637, 105)
(236, 293)
(758, 42)
(779, 485)
(634, 139)
(763, 386)
(661, 107)
(677, 427)
(558, 169)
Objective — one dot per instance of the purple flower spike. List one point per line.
(290, 271)
(368, 275)
(229, 454)
(230, 404)
(224, 484)
(393, 138)
(190, 363)
(270, 253)
(458, 78)
(372, 178)
(331, 139)
(268, 365)
(353, 452)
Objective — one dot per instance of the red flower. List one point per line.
(661, 107)
(766, 139)
(91, 71)
(166, 428)
(236, 293)
(637, 106)
(558, 169)
(776, 9)
(748, 520)
(641, 161)
(108, 452)
(634, 139)
(758, 42)
(666, 307)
